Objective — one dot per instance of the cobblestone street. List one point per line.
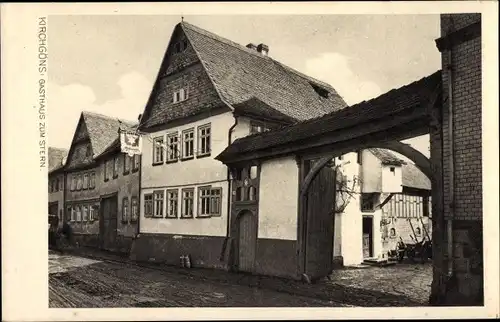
(81, 282)
(90, 281)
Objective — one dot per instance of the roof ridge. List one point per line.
(108, 117)
(228, 41)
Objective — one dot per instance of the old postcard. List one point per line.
(265, 161)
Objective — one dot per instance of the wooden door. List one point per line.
(320, 224)
(367, 237)
(247, 241)
(108, 224)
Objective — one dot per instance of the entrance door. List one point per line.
(107, 224)
(247, 241)
(367, 237)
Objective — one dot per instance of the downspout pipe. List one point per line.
(451, 165)
(228, 225)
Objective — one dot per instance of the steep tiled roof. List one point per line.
(408, 97)
(240, 74)
(386, 156)
(103, 130)
(57, 157)
(257, 108)
(414, 178)
(115, 146)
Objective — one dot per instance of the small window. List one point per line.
(135, 209)
(86, 181)
(148, 205)
(88, 152)
(79, 183)
(359, 157)
(204, 140)
(73, 213)
(115, 167)
(158, 150)
(393, 170)
(137, 161)
(106, 172)
(69, 213)
(85, 213)
(253, 172)
(92, 180)
(56, 185)
(392, 233)
(252, 193)
(78, 214)
(61, 184)
(239, 194)
(158, 200)
(172, 147)
(188, 143)
(341, 157)
(126, 164)
(180, 95)
(187, 203)
(125, 213)
(368, 202)
(210, 201)
(73, 182)
(91, 213)
(172, 203)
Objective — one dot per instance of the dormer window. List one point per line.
(323, 92)
(180, 95)
(392, 169)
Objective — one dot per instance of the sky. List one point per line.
(107, 64)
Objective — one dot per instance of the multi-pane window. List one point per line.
(115, 167)
(125, 214)
(73, 213)
(158, 151)
(92, 180)
(95, 214)
(172, 147)
(69, 213)
(172, 203)
(91, 213)
(106, 171)
(257, 127)
(204, 140)
(134, 209)
(73, 182)
(158, 199)
(86, 181)
(148, 205)
(368, 202)
(126, 164)
(79, 182)
(136, 162)
(85, 213)
(187, 202)
(210, 201)
(180, 95)
(188, 143)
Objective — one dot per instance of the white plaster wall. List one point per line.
(212, 226)
(392, 181)
(371, 170)
(242, 129)
(278, 199)
(193, 171)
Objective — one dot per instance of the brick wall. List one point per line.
(465, 286)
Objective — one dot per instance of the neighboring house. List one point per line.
(209, 92)
(94, 196)
(387, 196)
(57, 159)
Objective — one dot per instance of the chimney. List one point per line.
(263, 49)
(252, 46)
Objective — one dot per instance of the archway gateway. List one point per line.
(383, 122)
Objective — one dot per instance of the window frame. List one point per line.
(155, 203)
(115, 167)
(92, 180)
(79, 182)
(177, 153)
(372, 200)
(136, 165)
(157, 148)
(85, 213)
(78, 213)
(137, 212)
(168, 203)
(125, 214)
(183, 208)
(211, 198)
(85, 184)
(192, 140)
(148, 203)
(200, 137)
(106, 171)
(126, 164)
